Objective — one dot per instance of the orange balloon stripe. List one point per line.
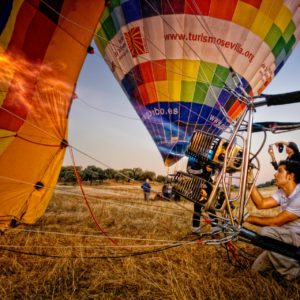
(42, 28)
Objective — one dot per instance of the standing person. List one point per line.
(292, 152)
(285, 226)
(204, 171)
(146, 189)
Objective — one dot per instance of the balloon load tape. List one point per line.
(211, 149)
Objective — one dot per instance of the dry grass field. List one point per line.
(149, 253)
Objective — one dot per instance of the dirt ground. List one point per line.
(114, 245)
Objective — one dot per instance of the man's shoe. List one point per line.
(196, 230)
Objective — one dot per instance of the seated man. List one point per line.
(285, 226)
(167, 191)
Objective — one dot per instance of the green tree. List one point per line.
(128, 174)
(90, 173)
(124, 175)
(119, 177)
(102, 175)
(67, 174)
(148, 174)
(137, 173)
(110, 173)
(162, 179)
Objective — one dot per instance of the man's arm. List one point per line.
(262, 202)
(279, 220)
(273, 159)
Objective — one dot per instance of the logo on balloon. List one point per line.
(135, 41)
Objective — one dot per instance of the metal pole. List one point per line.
(245, 163)
(228, 152)
(222, 174)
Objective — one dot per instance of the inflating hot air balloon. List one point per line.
(194, 64)
(42, 47)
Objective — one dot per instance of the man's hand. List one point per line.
(271, 152)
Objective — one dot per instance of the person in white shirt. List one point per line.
(285, 226)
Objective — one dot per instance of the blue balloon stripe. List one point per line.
(132, 10)
(172, 133)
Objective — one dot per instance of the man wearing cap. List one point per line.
(285, 226)
(292, 152)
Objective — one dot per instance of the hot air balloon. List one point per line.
(42, 49)
(193, 65)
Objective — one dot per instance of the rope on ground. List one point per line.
(86, 201)
(132, 254)
(98, 247)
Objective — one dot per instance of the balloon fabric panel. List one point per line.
(42, 48)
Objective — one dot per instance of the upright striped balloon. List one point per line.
(193, 64)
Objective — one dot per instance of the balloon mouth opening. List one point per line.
(171, 159)
(174, 152)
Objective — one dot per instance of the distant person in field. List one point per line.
(146, 187)
(291, 149)
(285, 226)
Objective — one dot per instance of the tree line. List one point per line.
(94, 174)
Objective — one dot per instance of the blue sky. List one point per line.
(121, 142)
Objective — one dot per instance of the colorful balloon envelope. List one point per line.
(42, 48)
(194, 64)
